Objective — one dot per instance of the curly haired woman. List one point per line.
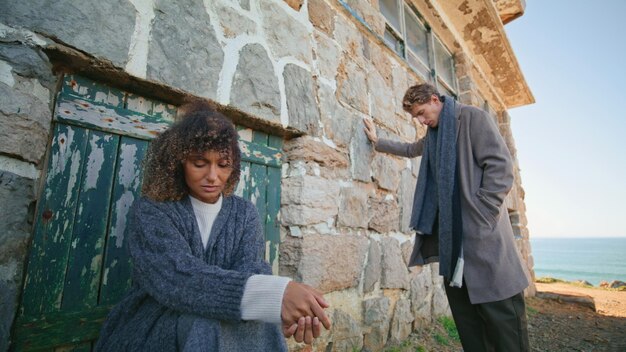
(200, 282)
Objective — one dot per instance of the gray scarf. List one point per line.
(437, 194)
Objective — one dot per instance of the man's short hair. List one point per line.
(420, 94)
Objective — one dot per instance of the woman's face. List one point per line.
(206, 174)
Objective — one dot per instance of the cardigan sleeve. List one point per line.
(409, 150)
(164, 267)
(493, 156)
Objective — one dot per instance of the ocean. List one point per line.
(590, 259)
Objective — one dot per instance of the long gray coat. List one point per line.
(493, 269)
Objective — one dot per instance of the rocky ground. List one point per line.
(560, 321)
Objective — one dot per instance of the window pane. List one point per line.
(444, 64)
(393, 42)
(444, 90)
(418, 65)
(416, 39)
(391, 11)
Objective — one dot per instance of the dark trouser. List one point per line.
(494, 326)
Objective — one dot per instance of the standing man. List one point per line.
(460, 219)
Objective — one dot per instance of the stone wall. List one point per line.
(309, 66)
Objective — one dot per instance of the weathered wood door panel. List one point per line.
(79, 266)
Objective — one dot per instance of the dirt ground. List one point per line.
(559, 325)
(554, 324)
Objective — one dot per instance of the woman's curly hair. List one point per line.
(200, 129)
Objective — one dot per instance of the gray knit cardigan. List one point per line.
(185, 298)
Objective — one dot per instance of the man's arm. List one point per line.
(409, 150)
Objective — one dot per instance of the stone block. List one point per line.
(302, 215)
(326, 262)
(285, 35)
(421, 296)
(255, 85)
(245, 4)
(27, 61)
(379, 58)
(376, 310)
(440, 300)
(322, 16)
(415, 167)
(339, 122)
(184, 51)
(386, 172)
(346, 333)
(401, 82)
(352, 86)
(361, 153)
(376, 318)
(294, 4)
(101, 28)
(353, 205)
(311, 191)
(407, 248)
(401, 322)
(302, 108)
(349, 39)
(394, 271)
(406, 128)
(327, 55)
(406, 193)
(384, 215)
(373, 268)
(232, 22)
(17, 195)
(372, 16)
(308, 200)
(306, 148)
(381, 97)
(25, 122)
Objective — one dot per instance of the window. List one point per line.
(393, 30)
(417, 42)
(391, 10)
(394, 42)
(444, 66)
(409, 36)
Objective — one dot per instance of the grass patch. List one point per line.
(531, 311)
(547, 280)
(442, 340)
(449, 327)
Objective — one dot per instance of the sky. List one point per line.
(571, 143)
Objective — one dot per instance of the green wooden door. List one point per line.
(78, 266)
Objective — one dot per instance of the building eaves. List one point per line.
(478, 24)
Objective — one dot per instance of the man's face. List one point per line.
(427, 113)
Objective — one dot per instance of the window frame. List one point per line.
(428, 71)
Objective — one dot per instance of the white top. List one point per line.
(205, 216)
(263, 295)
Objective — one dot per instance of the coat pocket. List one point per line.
(488, 210)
